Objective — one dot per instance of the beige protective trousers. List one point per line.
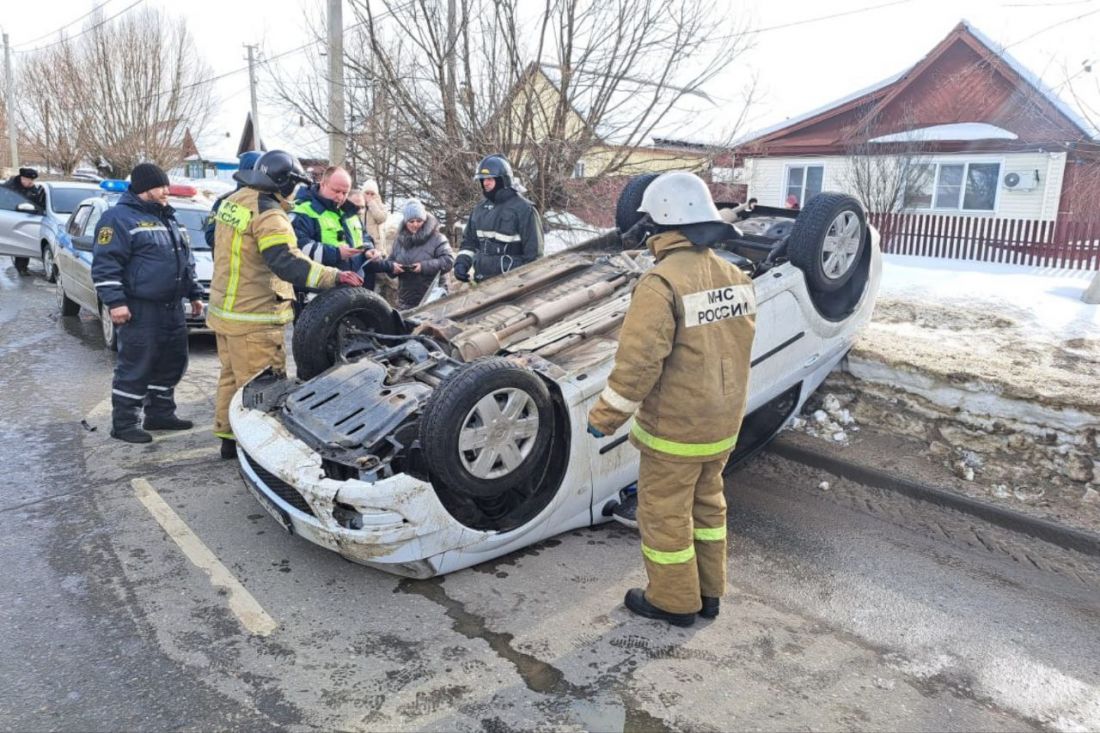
(243, 357)
(682, 520)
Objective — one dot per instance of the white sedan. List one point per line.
(427, 441)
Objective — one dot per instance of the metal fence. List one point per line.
(1064, 244)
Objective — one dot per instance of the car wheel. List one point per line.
(318, 330)
(49, 268)
(21, 264)
(827, 240)
(65, 306)
(110, 334)
(487, 429)
(626, 210)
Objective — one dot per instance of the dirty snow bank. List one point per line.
(996, 368)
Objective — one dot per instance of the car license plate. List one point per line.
(281, 516)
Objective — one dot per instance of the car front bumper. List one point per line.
(404, 528)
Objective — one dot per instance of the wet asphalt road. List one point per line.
(847, 610)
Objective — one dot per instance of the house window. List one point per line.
(803, 182)
(194, 169)
(953, 186)
(578, 169)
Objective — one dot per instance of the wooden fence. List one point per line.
(1065, 244)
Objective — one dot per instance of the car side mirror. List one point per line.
(82, 243)
(27, 208)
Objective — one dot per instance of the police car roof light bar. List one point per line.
(114, 184)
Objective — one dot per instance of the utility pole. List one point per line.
(12, 137)
(337, 138)
(252, 93)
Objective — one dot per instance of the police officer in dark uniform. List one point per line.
(504, 230)
(142, 270)
(24, 185)
(247, 161)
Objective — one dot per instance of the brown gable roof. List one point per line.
(963, 79)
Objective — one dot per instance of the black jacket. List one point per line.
(500, 236)
(141, 252)
(35, 194)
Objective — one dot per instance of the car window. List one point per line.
(76, 223)
(10, 199)
(64, 200)
(195, 222)
(93, 221)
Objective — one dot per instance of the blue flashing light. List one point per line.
(114, 184)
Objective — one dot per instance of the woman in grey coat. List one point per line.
(420, 252)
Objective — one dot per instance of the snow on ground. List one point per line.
(995, 368)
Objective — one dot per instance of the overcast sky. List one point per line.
(806, 54)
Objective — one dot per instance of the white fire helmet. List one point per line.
(679, 197)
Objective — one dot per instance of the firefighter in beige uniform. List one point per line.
(256, 261)
(682, 371)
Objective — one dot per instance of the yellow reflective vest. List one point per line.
(256, 261)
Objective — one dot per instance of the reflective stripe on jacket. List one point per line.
(503, 235)
(256, 261)
(682, 366)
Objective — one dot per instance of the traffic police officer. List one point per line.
(246, 162)
(682, 371)
(330, 231)
(504, 230)
(256, 261)
(142, 268)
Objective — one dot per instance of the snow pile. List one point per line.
(994, 367)
(830, 421)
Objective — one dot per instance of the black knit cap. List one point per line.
(146, 176)
(28, 173)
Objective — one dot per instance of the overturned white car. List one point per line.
(434, 439)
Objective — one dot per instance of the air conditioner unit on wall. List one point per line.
(1020, 180)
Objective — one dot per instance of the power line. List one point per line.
(94, 9)
(89, 29)
(828, 17)
(1050, 28)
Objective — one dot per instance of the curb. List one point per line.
(1043, 529)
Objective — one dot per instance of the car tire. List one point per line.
(317, 332)
(626, 210)
(49, 267)
(66, 307)
(21, 264)
(487, 429)
(827, 240)
(110, 333)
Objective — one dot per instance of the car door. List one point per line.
(64, 255)
(79, 283)
(20, 225)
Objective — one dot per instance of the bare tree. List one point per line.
(435, 84)
(49, 108)
(886, 175)
(143, 85)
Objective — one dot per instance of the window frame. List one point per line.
(802, 189)
(935, 183)
(74, 219)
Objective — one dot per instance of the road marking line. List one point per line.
(252, 616)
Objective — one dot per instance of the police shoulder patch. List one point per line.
(105, 235)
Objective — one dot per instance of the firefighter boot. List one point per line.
(710, 607)
(636, 602)
(229, 448)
